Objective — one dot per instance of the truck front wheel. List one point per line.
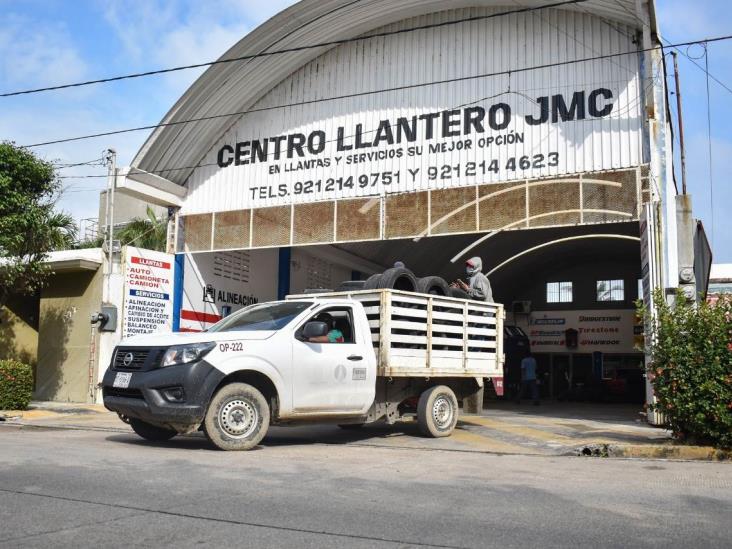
(237, 417)
(437, 411)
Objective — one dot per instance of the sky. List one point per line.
(47, 42)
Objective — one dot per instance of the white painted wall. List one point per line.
(478, 47)
(236, 278)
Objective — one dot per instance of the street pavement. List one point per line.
(310, 487)
(503, 428)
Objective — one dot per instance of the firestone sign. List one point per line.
(608, 331)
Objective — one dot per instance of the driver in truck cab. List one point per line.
(333, 336)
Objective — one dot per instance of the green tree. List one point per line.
(150, 233)
(30, 227)
(691, 370)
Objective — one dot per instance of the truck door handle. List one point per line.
(355, 357)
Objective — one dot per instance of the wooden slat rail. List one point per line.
(426, 335)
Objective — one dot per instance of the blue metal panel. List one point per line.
(178, 289)
(283, 273)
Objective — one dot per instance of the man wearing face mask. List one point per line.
(478, 286)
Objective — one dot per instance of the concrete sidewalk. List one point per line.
(552, 429)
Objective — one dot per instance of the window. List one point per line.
(265, 316)
(610, 290)
(559, 292)
(339, 322)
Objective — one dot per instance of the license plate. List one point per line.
(122, 380)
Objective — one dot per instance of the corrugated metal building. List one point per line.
(533, 134)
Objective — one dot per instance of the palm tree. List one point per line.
(61, 231)
(150, 233)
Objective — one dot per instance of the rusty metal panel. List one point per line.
(271, 227)
(231, 230)
(501, 205)
(197, 231)
(358, 219)
(406, 215)
(554, 196)
(313, 223)
(621, 195)
(452, 210)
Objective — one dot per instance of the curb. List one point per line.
(655, 451)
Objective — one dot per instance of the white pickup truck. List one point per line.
(349, 358)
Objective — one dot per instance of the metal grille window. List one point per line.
(610, 290)
(319, 273)
(559, 292)
(232, 265)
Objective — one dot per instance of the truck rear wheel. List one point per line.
(437, 411)
(237, 417)
(151, 432)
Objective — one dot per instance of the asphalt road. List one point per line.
(81, 488)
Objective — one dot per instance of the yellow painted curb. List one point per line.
(656, 451)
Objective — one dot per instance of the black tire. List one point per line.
(398, 278)
(351, 286)
(459, 293)
(153, 433)
(237, 417)
(437, 411)
(372, 282)
(434, 285)
(351, 426)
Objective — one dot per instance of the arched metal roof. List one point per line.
(237, 86)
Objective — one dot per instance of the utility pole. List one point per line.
(109, 207)
(681, 124)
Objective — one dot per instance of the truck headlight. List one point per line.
(184, 354)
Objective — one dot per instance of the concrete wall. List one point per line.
(65, 336)
(19, 329)
(125, 209)
(584, 277)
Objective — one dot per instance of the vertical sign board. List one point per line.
(148, 291)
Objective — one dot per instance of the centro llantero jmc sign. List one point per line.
(490, 142)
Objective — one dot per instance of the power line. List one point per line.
(615, 115)
(95, 162)
(292, 49)
(370, 92)
(662, 39)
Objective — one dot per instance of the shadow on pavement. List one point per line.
(284, 436)
(612, 413)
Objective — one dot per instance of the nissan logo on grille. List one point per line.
(129, 357)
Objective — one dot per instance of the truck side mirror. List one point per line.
(314, 329)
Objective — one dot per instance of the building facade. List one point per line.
(339, 137)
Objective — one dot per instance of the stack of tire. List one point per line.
(401, 278)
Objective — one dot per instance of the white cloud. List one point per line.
(160, 34)
(37, 54)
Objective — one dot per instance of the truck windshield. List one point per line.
(265, 316)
